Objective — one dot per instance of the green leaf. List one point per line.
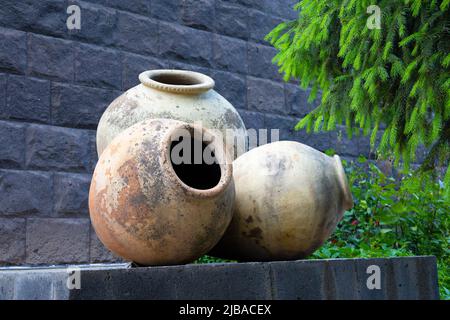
(398, 207)
(362, 159)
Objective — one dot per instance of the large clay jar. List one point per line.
(173, 94)
(151, 210)
(289, 198)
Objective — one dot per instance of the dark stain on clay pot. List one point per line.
(256, 233)
(249, 219)
(231, 119)
(132, 203)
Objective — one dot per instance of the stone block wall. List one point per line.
(55, 83)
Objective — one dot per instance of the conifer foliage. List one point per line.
(391, 82)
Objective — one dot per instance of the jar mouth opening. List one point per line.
(177, 81)
(195, 161)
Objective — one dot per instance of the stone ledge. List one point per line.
(400, 278)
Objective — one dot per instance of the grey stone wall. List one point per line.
(55, 84)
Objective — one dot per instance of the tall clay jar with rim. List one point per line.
(173, 94)
(150, 207)
(289, 199)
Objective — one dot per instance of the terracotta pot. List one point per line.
(172, 94)
(147, 209)
(289, 198)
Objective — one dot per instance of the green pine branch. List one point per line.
(398, 75)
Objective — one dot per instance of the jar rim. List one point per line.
(177, 81)
(225, 164)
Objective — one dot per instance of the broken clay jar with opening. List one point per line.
(173, 94)
(289, 198)
(151, 209)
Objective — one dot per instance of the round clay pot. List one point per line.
(172, 94)
(289, 198)
(148, 209)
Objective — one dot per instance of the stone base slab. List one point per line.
(383, 278)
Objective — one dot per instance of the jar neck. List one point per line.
(194, 187)
(343, 184)
(177, 81)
